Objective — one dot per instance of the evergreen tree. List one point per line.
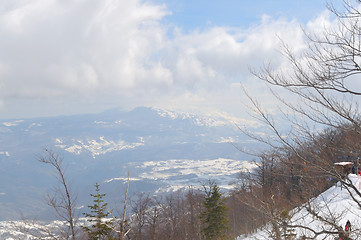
(287, 232)
(215, 223)
(100, 226)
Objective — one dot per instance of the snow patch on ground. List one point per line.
(123, 179)
(179, 174)
(33, 230)
(13, 123)
(97, 146)
(202, 168)
(226, 140)
(5, 153)
(33, 125)
(213, 120)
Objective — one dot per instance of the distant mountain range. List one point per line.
(162, 150)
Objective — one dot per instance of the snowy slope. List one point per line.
(336, 201)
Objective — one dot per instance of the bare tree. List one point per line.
(154, 218)
(140, 206)
(172, 208)
(322, 78)
(194, 208)
(62, 200)
(323, 75)
(123, 227)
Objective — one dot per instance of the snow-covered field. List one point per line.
(27, 230)
(170, 172)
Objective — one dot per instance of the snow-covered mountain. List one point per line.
(162, 150)
(336, 203)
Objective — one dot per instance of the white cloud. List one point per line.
(115, 52)
(53, 47)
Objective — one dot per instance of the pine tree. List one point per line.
(215, 223)
(100, 226)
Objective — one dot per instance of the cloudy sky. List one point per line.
(62, 57)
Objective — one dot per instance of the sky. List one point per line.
(65, 57)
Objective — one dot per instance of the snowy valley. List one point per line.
(162, 150)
